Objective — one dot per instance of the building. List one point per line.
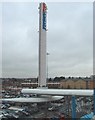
(77, 83)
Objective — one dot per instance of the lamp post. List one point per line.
(73, 108)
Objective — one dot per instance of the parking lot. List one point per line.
(49, 110)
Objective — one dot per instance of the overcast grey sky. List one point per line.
(69, 39)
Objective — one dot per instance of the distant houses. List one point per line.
(55, 83)
(77, 83)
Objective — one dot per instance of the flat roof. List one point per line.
(33, 100)
(59, 92)
(37, 83)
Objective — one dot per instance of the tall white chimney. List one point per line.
(42, 44)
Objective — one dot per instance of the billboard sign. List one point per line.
(44, 16)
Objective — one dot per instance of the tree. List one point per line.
(62, 77)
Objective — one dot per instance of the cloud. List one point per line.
(69, 39)
(0, 40)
